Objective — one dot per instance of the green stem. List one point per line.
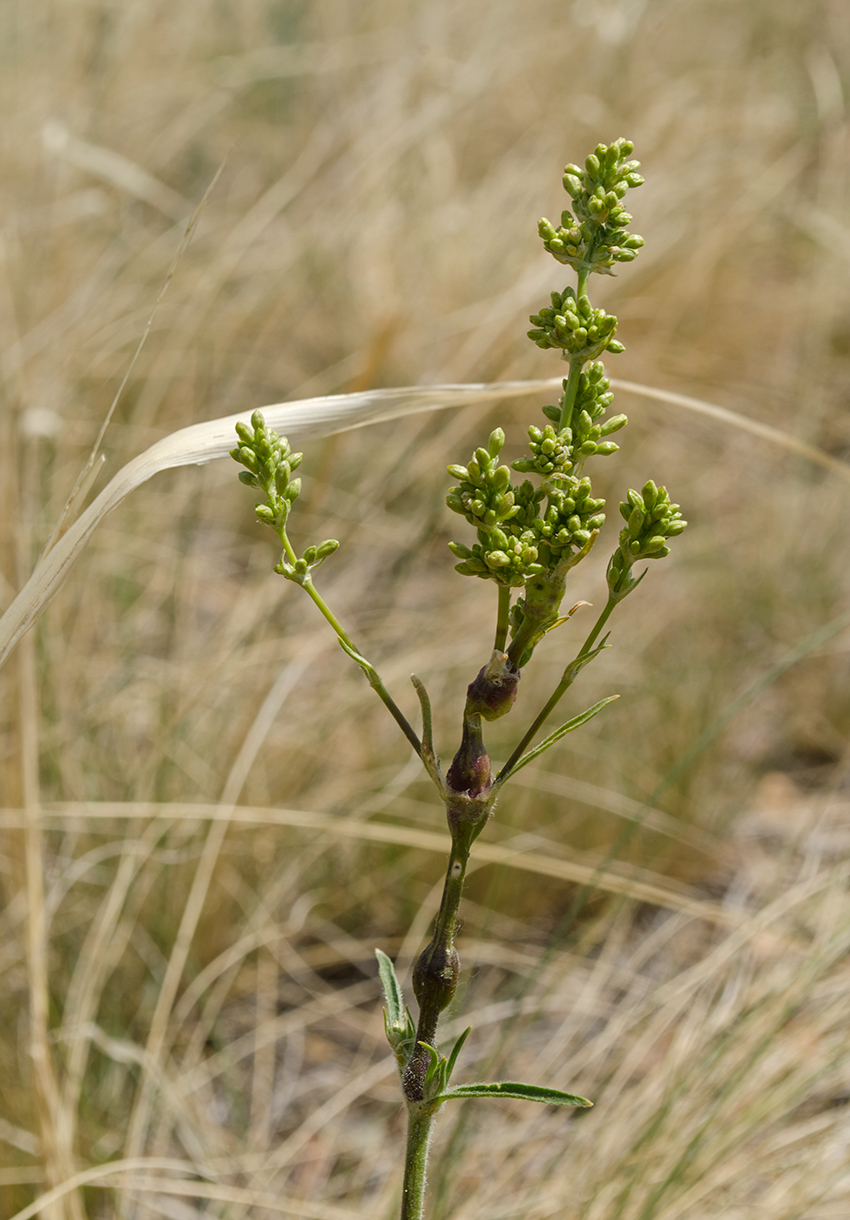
(446, 925)
(440, 947)
(570, 391)
(436, 971)
(419, 1120)
(597, 627)
(502, 618)
(558, 693)
(371, 673)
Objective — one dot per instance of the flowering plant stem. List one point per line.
(527, 549)
(419, 1124)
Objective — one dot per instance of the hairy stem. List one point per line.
(419, 1120)
(436, 973)
(597, 627)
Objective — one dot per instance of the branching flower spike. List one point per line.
(528, 537)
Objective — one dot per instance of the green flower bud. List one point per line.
(614, 424)
(247, 457)
(635, 522)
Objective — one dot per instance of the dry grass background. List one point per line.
(222, 821)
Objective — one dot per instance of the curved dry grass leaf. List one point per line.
(635, 883)
(306, 419)
(201, 443)
(98, 1173)
(766, 431)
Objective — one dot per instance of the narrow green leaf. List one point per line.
(577, 665)
(575, 723)
(435, 1061)
(391, 988)
(456, 1051)
(511, 1088)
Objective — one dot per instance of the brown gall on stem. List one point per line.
(492, 692)
(435, 977)
(470, 770)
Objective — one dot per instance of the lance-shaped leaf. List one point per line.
(575, 723)
(513, 1088)
(393, 997)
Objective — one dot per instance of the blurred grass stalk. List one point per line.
(721, 1039)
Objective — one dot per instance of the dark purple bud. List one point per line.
(470, 769)
(492, 692)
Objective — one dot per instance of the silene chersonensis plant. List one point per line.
(529, 535)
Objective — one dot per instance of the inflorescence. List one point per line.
(524, 531)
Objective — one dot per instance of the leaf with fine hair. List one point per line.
(512, 1088)
(450, 1066)
(391, 987)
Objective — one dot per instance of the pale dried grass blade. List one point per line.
(307, 419)
(115, 169)
(637, 884)
(766, 431)
(200, 443)
(97, 1173)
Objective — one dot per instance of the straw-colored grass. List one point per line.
(208, 822)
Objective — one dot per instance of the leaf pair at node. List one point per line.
(401, 1035)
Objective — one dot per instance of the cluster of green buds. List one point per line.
(503, 515)
(573, 325)
(572, 516)
(269, 465)
(529, 536)
(574, 435)
(650, 519)
(597, 236)
(485, 496)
